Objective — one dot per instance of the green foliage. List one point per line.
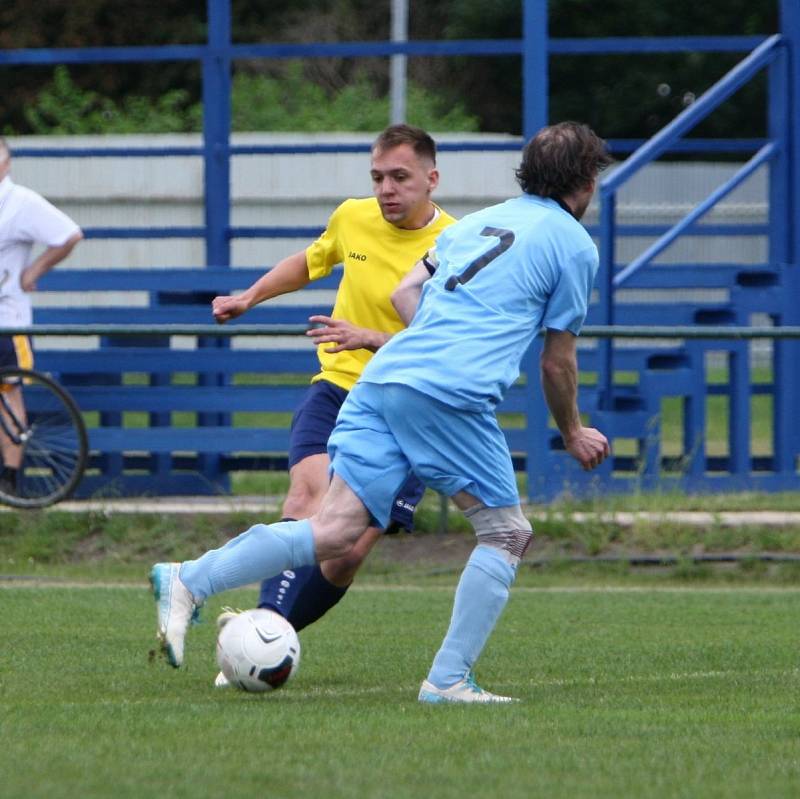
(295, 103)
(63, 107)
(618, 95)
(260, 103)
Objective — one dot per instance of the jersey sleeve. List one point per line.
(324, 253)
(41, 222)
(569, 302)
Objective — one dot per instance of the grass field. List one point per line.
(639, 688)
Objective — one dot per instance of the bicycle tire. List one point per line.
(55, 447)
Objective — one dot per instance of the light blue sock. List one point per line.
(260, 552)
(481, 595)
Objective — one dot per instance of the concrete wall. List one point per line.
(302, 189)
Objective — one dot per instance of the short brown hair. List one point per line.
(560, 159)
(395, 135)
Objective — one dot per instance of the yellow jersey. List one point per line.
(375, 255)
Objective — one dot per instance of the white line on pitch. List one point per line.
(24, 581)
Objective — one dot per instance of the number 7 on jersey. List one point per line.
(506, 240)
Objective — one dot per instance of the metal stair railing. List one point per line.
(764, 55)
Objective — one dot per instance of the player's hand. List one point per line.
(342, 334)
(27, 280)
(589, 447)
(226, 308)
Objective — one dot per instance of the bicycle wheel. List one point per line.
(53, 439)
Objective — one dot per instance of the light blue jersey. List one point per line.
(504, 273)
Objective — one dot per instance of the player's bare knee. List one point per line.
(294, 509)
(300, 502)
(335, 537)
(505, 529)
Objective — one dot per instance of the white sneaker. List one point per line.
(175, 609)
(466, 690)
(221, 681)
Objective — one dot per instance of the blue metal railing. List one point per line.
(699, 110)
(609, 280)
(219, 52)
(777, 53)
(762, 156)
(507, 145)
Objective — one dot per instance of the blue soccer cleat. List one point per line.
(464, 691)
(175, 608)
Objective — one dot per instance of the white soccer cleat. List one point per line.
(175, 609)
(466, 690)
(221, 681)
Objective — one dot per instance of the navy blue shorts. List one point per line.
(16, 351)
(312, 425)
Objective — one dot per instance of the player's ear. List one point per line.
(433, 178)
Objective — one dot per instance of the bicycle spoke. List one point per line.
(53, 442)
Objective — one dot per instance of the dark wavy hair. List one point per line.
(395, 135)
(560, 159)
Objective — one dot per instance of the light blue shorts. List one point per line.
(383, 432)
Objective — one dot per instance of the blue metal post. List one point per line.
(694, 415)
(538, 457)
(216, 156)
(605, 286)
(739, 422)
(783, 413)
(534, 67)
(216, 132)
(790, 29)
(534, 117)
(790, 353)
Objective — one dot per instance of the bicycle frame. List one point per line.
(17, 438)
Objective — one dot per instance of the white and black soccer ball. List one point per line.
(258, 650)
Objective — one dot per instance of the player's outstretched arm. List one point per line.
(559, 368)
(405, 297)
(289, 274)
(344, 335)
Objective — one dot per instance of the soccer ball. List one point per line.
(258, 650)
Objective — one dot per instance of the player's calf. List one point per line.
(483, 589)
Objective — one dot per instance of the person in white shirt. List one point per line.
(26, 219)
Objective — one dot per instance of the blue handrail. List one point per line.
(637, 45)
(451, 47)
(761, 157)
(744, 71)
(514, 144)
(694, 114)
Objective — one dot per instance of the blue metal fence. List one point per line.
(624, 411)
(772, 290)
(217, 56)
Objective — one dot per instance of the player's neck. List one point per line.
(566, 205)
(422, 219)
